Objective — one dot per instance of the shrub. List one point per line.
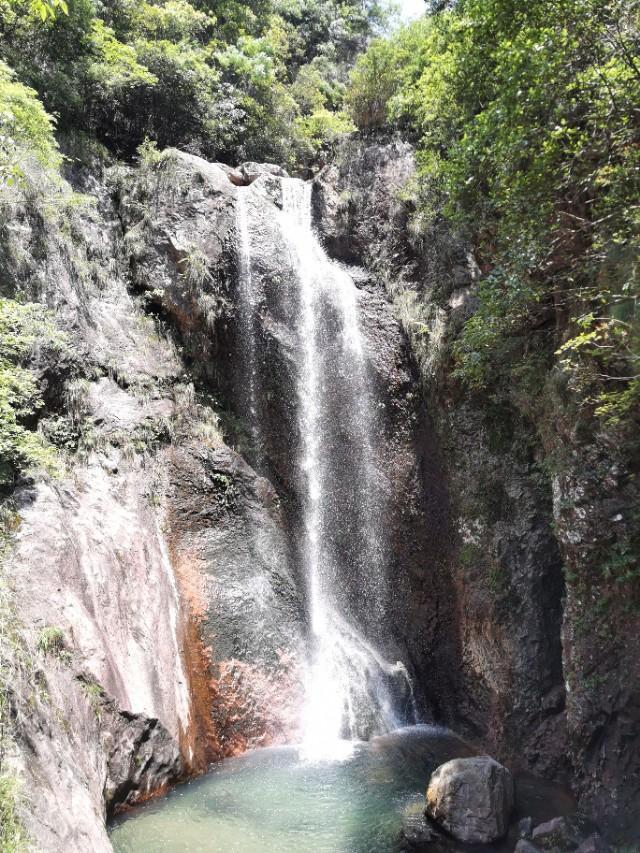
(320, 130)
(24, 330)
(26, 131)
(51, 641)
(12, 836)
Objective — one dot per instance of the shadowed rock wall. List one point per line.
(532, 648)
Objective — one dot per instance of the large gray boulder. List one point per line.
(471, 798)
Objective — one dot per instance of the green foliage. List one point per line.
(526, 116)
(320, 130)
(497, 331)
(51, 641)
(25, 329)
(227, 80)
(622, 564)
(373, 83)
(470, 555)
(46, 10)
(26, 131)
(94, 693)
(12, 837)
(115, 68)
(14, 665)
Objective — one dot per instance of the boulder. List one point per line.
(471, 798)
(252, 171)
(235, 175)
(563, 833)
(524, 846)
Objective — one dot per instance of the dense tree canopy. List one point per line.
(528, 125)
(225, 79)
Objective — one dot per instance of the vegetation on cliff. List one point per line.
(230, 81)
(527, 125)
(526, 122)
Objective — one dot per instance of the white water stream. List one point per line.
(350, 689)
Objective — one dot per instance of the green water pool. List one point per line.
(271, 801)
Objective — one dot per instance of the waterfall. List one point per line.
(246, 307)
(349, 686)
(301, 311)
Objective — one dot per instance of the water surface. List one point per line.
(270, 801)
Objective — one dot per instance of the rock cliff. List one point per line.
(155, 596)
(134, 620)
(533, 644)
(154, 617)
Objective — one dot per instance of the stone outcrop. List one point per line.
(252, 171)
(563, 834)
(472, 798)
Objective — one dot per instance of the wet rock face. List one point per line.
(472, 798)
(231, 554)
(486, 634)
(268, 355)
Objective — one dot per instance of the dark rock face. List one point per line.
(179, 222)
(142, 758)
(472, 798)
(524, 662)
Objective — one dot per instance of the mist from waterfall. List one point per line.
(350, 690)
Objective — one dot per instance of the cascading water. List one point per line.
(246, 304)
(349, 686)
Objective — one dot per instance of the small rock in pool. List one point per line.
(524, 846)
(565, 834)
(417, 832)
